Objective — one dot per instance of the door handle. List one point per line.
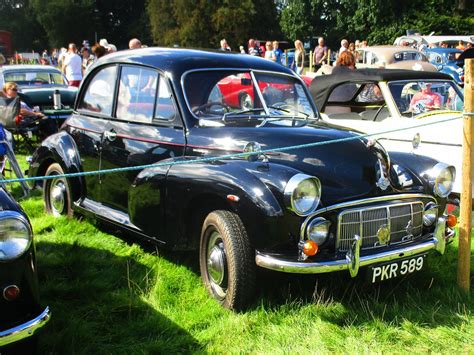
(110, 135)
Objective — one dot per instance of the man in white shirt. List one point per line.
(72, 66)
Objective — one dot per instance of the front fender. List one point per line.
(417, 165)
(169, 200)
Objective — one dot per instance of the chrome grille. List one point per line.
(404, 221)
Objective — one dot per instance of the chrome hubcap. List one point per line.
(216, 264)
(57, 196)
(246, 102)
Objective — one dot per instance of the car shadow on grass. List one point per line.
(429, 297)
(97, 304)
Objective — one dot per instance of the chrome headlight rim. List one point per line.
(292, 186)
(435, 173)
(14, 215)
(318, 221)
(430, 206)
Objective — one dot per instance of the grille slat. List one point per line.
(399, 219)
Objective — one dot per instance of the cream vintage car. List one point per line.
(393, 57)
(373, 101)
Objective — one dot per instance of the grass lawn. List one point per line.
(110, 294)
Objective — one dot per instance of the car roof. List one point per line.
(322, 86)
(29, 67)
(179, 60)
(386, 49)
(443, 50)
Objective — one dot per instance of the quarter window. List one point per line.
(165, 109)
(137, 92)
(99, 94)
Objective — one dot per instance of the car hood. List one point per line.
(346, 169)
(43, 96)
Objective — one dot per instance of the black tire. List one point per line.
(57, 193)
(227, 260)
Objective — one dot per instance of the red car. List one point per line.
(237, 90)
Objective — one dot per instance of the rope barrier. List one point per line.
(222, 157)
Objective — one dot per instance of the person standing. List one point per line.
(320, 54)
(299, 57)
(344, 46)
(253, 49)
(278, 52)
(224, 46)
(72, 66)
(134, 43)
(269, 53)
(87, 59)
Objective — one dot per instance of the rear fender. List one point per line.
(58, 148)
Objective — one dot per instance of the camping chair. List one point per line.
(9, 109)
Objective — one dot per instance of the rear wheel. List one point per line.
(57, 193)
(246, 102)
(227, 260)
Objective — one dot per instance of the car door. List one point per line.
(146, 129)
(87, 126)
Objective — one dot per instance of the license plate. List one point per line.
(397, 268)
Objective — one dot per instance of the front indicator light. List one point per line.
(11, 292)
(310, 248)
(451, 221)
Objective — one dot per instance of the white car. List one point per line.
(373, 101)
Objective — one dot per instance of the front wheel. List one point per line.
(227, 260)
(57, 193)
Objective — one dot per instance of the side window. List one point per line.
(99, 95)
(343, 93)
(137, 91)
(165, 108)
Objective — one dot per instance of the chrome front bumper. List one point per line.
(353, 260)
(25, 330)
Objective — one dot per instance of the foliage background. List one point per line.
(39, 24)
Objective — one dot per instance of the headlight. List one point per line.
(430, 214)
(302, 194)
(318, 230)
(15, 235)
(441, 178)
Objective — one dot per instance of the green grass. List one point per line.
(111, 294)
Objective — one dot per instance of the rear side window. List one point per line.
(165, 108)
(99, 94)
(137, 92)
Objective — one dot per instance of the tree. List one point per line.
(18, 17)
(203, 23)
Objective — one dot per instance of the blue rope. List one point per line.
(216, 158)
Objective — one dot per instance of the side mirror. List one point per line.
(245, 82)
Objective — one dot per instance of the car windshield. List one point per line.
(33, 78)
(232, 95)
(421, 96)
(409, 55)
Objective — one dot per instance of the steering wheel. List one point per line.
(202, 107)
(378, 111)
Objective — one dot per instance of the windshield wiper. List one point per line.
(287, 111)
(236, 113)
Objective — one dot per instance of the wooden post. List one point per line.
(329, 57)
(286, 57)
(310, 61)
(464, 252)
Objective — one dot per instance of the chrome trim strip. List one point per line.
(272, 263)
(361, 202)
(26, 329)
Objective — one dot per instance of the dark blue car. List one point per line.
(445, 60)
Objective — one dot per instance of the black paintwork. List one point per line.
(168, 204)
(21, 272)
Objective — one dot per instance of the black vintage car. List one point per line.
(21, 315)
(316, 209)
